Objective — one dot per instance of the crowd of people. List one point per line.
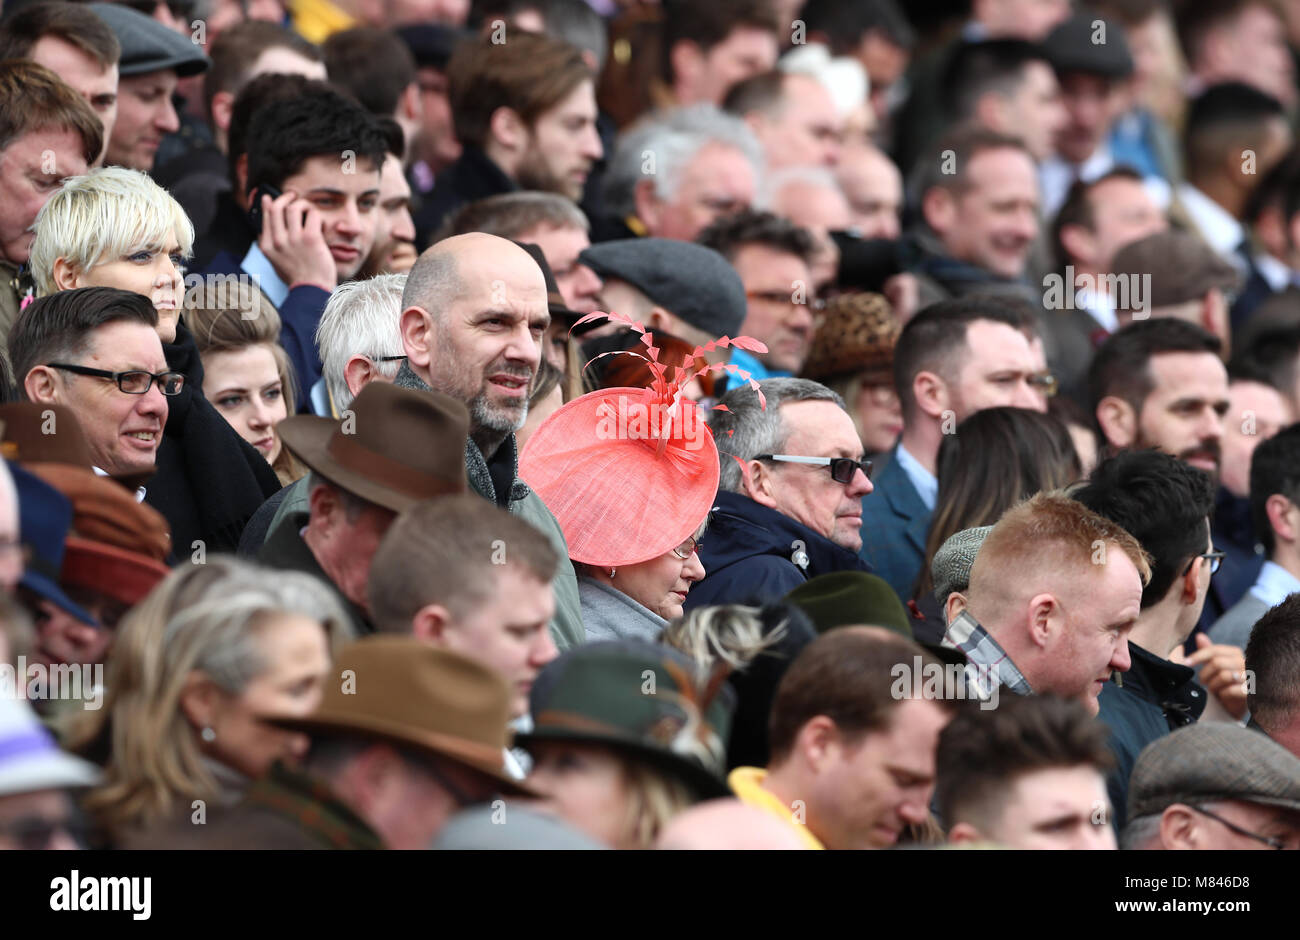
(576, 424)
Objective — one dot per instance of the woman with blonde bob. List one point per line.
(115, 227)
(195, 668)
(247, 375)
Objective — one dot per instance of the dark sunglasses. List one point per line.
(842, 469)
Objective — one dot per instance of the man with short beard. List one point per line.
(525, 112)
(473, 315)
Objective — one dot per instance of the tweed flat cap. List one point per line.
(688, 280)
(1181, 266)
(951, 565)
(1211, 761)
(149, 46)
(1076, 45)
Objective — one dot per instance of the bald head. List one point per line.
(874, 189)
(729, 825)
(474, 311)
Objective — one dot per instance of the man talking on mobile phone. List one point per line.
(313, 184)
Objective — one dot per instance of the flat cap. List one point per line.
(1182, 268)
(951, 565)
(1211, 761)
(149, 46)
(845, 598)
(688, 280)
(431, 45)
(1088, 43)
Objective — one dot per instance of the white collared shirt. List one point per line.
(1274, 584)
(139, 490)
(259, 266)
(1215, 224)
(926, 483)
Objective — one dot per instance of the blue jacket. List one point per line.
(755, 555)
(895, 522)
(299, 316)
(1233, 531)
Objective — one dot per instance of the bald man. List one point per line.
(473, 315)
(874, 188)
(727, 825)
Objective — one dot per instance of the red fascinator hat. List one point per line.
(630, 473)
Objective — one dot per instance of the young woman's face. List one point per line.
(157, 274)
(587, 786)
(244, 385)
(296, 652)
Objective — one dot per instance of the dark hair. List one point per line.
(998, 457)
(955, 151)
(846, 24)
(530, 74)
(933, 339)
(1077, 208)
(60, 326)
(1162, 502)
(1278, 189)
(1195, 21)
(1122, 366)
(74, 23)
(762, 92)
(730, 233)
(1226, 118)
(982, 751)
(1128, 13)
(1245, 367)
(573, 21)
(373, 65)
(977, 68)
(237, 49)
(1273, 656)
(1275, 352)
(254, 96)
(1274, 468)
(285, 134)
(394, 136)
(845, 675)
(708, 24)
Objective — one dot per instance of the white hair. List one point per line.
(842, 76)
(108, 213)
(660, 146)
(817, 176)
(361, 318)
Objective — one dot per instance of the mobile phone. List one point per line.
(255, 205)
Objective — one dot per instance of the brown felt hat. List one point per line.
(1182, 268)
(404, 691)
(395, 447)
(857, 333)
(45, 433)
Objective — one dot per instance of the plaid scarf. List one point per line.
(988, 664)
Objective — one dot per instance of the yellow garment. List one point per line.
(747, 784)
(317, 20)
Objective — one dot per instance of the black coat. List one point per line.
(209, 481)
(472, 177)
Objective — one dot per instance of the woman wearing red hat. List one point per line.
(630, 474)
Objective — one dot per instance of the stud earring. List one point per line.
(207, 734)
(611, 572)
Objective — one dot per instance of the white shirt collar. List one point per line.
(1220, 230)
(139, 490)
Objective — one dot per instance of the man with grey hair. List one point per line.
(474, 312)
(359, 341)
(673, 174)
(790, 490)
(811, 198)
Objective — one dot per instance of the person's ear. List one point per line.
(939, 207)
(930, 393)
(660, 321)
(41, 385)
(418, 336)
(358, 371)
(1080, 244)
(963, 833)
(687, 60)
(953, 607)
(1044, 615)
(201, 700)
(410, 106)
(1191, 582)
(241, 177)
(647, 203)
(1180, 828)
(758, 482)
(65, 274)
(1280, 517)
(323, 503)
(223, 103)
(508, 129)
(991, 112)
(817, 741)
(430, 624)
(1118, 420)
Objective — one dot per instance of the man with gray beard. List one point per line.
(473, 314)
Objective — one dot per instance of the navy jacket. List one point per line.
(1233, 531)
(299, 316)
(894, 524)
(1139, 706)
(472, 177)
(755, 555)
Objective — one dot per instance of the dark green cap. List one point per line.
(642, 699)
(848, 598)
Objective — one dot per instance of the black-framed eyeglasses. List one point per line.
(133, 382)
(1271, 841)
(388, 358)
(1046, 383)
(688, 548)
(842, 468)
(1215, 558)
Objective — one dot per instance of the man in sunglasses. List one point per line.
(1214, 785)
(95, 350)
(790, 490)
(1165, 504)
